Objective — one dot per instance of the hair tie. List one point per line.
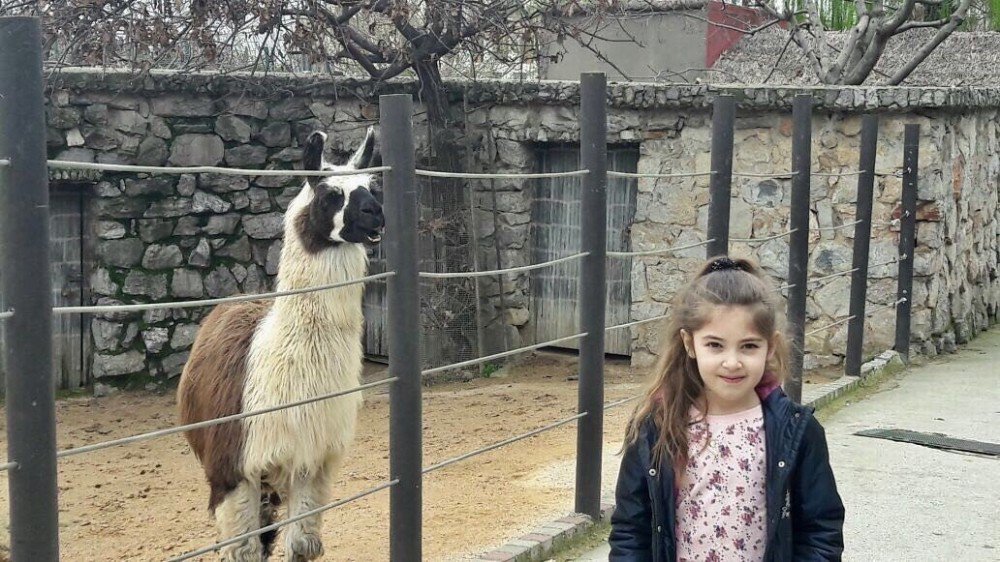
(723, 264)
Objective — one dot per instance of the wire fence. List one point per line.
(405, 373)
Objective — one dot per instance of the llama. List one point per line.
(254, 355)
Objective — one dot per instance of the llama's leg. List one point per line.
(306, 493)
(239, 513)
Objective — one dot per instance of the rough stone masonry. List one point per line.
(163, 237)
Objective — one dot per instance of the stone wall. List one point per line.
(168, 237)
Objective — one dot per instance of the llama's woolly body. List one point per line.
(256, 355)
(307, 345)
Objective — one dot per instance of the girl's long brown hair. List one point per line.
(675, 385)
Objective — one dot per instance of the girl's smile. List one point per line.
(731, 358)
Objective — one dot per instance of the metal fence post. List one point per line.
(27, 286)
(862, 234)
(907, 238)
(405, 418)
(798, 245)
(593, 290)
(721, 182)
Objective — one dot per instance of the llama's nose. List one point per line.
(371, 208)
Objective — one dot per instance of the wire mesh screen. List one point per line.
(448, 307)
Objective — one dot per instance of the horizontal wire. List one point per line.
(4, 162)
(503, 443)
(8, 466)
(845, 225)
(776, 176)
(67, 165)
(752, 240)
(216, 421)
(471, 362)
(660, 251)
(624, 401)
(852, 317)
(474, 176)
(828, 326)
(613, 174)
(6, 314)
(279, 524)
(467, 274)
(637, 322)
(212, 302)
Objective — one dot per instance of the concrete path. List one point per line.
(908, 502)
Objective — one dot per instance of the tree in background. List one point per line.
(870, 25)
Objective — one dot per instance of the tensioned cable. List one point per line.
(637, 322)
(765, 239)
(8, 466)
(621, 402)
(280, 524)
(773, 176)
(476, 176)
(852, 317)
(67, 165)
(216, 421)
(211, 302)
(6, 314)
(503, 443)
(660, 251)
(847, 272)
(456, 275)
(487, 358)
(613, 174)
(845, 225)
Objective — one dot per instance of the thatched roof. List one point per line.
(964, 59)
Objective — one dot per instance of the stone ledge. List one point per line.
(623, 95)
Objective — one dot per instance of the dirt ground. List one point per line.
(147, 501)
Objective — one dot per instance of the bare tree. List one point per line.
(871, 24)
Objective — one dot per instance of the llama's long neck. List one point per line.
(298, 269)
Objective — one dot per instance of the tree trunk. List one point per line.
(450, 306)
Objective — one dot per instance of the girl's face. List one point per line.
(731, 357)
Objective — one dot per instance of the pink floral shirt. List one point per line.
(721, 502)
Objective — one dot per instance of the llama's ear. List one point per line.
(366, 153)
(312, 155)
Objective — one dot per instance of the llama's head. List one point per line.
(343, 209)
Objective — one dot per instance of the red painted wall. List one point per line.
(721, 39)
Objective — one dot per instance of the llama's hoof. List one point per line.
(249, 551)
(304, 548)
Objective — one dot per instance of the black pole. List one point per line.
(907, 238)
(593, 286)
(27, 286)
(862, 233)
(721, 183)
(798, 245)
(405, 429)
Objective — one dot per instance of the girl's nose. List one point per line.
(731, 362)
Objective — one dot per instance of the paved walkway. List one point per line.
(908, 502)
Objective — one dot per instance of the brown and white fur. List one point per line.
(250, 356)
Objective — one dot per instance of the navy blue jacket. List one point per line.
(805, 515)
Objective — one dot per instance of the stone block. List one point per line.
(162, 257)
(172, 207)
(120, 253)
(220, 283)
(110, 230)
(201, 256)
(246, 156)
(153, 151)
(222, 224)
(204, 202)
(233, 128)
(154, 339)
(151, 285)
(187, 283)
(116, 365)
(222, 183)
(154, 230)
(106, 334)
(264, 227)
(156, 186)
(275, 135)
(197, 150)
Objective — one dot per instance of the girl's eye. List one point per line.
(714, 344)
(751, 346)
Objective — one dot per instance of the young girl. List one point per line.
(719, 465)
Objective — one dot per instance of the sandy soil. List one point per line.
(147, 501)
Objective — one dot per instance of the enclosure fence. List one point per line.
(32, 450)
